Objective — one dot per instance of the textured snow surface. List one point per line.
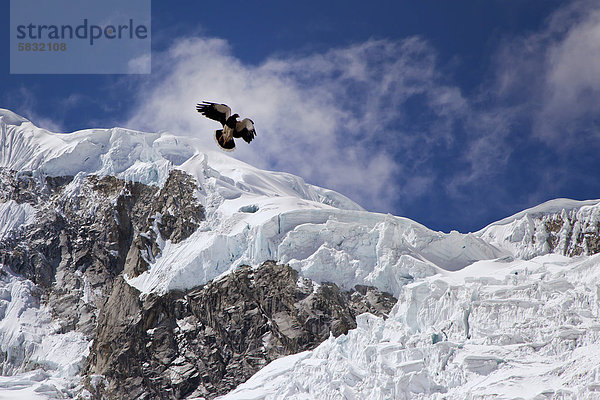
(496, 329)
(254, 215)
(480, 316)
(14, 216)
(324, 244)
(39, 360)
(251, 215)
(524, 234)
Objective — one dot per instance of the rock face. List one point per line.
(89, 232)
(83, 230)
(206, 341)
(564, 227)
(174, 215)
(77, 245)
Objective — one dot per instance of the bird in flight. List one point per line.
(232, 128)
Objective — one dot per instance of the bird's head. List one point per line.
(235, 116)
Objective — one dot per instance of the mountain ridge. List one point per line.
(149, 219)
(286, 211)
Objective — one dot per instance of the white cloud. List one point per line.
(139, 65)
(572, 81)
(374, 120)
(338, 119)
(554, 74)
(544, 93)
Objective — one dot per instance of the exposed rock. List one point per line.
(178, 210)
(210, 339)
(83, 232)
(91, 231)
(570, 232)
(174, 215)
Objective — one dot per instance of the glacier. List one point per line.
(50, 360)
(508, 312)
(501, 329)
(322, 234)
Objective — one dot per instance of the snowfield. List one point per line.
(492, 314)
(495, 330)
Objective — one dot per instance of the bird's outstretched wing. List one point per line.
(218, 112)
(245, 130)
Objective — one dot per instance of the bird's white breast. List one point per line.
(227, 133)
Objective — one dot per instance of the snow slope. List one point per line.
(483, 315)
(13, 216)
(251, 215)
(495, 330)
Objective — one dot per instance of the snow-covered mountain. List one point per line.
(110, 238)
(252, 215)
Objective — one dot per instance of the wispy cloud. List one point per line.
(26, 102)
(379, 122)
(538, 113)
(555, 75)
(340, 119)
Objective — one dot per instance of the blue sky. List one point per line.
(454, 114)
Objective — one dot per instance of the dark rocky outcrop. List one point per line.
(206, 341)
(174, 215)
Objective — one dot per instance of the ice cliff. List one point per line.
(121, 255)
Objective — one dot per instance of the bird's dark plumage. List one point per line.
(245, 130)
(218, 112)
(232, 128)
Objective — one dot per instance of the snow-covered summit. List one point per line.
(142, 157)
(10, 118)
(252, 215)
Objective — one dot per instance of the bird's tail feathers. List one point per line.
(226, 146)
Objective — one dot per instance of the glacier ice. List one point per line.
(321, 233)
(510, 330)
(492, 314)
(37, 357)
